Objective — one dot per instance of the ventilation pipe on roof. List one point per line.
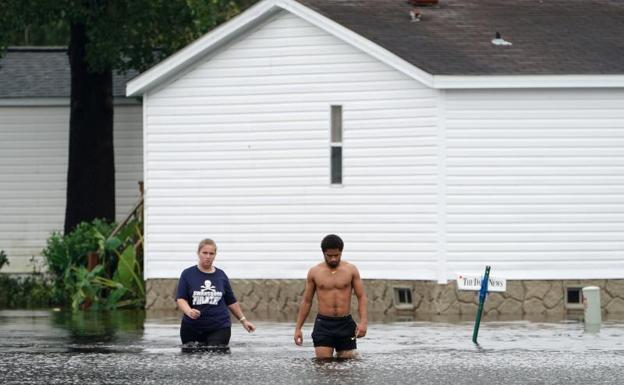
(498, 40)
(415, 15)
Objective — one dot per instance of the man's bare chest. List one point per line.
(333, 282)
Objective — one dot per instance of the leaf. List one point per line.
(77, 299)
(128, 230)
(127, 268)
(130, 302)
(112, 244)
(108, 283)
(97, 270)
(115, 296)
(98, 234)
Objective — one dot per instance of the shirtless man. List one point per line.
(333, 281)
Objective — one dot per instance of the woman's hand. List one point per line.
(248, 326)
(193, 313)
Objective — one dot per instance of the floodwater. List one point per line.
(47, 347)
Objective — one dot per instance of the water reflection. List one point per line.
(89, 327)
(80, 332)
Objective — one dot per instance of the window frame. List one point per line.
(336, 141)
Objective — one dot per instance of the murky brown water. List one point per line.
(41, 347)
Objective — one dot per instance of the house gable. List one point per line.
(247, 21)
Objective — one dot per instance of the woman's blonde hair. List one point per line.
(205, 242)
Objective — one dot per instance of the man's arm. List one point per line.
(360, 293)
(304, 307)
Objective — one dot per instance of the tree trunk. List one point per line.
(91, 166)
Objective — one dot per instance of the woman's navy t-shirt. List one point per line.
(210, 293)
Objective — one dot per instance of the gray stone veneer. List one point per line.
(277, 299)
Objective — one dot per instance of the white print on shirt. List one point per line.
(207, 286)
(208, 295)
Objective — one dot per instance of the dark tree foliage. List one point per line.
(104, 36)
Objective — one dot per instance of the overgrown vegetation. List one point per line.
(29, 291)
(25, 292)
(114, 279)
(97, 266)
(64, 251)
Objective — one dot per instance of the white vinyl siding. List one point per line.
(237, 150)
(33, 174)
(535, 183)
(128, 142)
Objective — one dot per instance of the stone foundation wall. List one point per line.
(279, 299)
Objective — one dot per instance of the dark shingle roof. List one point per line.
(42, 72)
(454, 38)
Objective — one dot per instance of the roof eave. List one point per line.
(53, 101)
(527, 81)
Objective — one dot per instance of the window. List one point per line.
(573, 298)
(403, 298)
(336, 145)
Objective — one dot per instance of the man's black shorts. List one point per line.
(335, 332)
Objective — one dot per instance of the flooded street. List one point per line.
(45, 347)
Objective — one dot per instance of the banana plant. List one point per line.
(126, 286)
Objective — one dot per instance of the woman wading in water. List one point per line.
(204, 295)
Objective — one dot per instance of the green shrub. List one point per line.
(27, 292)
(64, 251)
(24, 292)
(116, 281)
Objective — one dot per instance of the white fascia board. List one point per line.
(356, 40)
(197, 49)
(528, 81)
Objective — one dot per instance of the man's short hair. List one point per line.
(331, 241)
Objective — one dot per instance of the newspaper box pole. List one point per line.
(482, 295)
(482, 285)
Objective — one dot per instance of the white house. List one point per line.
(34, 142)
(490, 132)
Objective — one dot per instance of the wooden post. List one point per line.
(92, 260)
